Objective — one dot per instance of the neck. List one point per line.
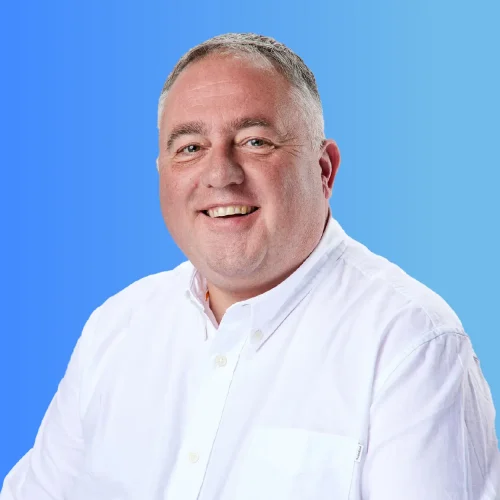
(222, 299)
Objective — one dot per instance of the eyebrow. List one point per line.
(247, 122)
(187, 128)
(197, 127)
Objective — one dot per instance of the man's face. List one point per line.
(232, 135)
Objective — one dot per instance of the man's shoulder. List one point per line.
(169, 284)
(393, 314)
(396, 294)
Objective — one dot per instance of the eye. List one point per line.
(190, 149)
(256, 142)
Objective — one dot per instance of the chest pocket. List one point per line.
(295, 464)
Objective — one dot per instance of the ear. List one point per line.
(329, 162)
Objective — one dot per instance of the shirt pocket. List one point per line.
(296, 464)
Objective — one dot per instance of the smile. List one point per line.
(230, 211)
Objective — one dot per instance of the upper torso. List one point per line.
(275, 403)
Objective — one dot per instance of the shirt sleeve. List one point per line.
(432, 431)
(48, 470)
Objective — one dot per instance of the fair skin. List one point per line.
(232, 134)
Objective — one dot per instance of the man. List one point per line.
(284, 360)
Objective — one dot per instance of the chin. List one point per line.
(231, 267)
(236, 271)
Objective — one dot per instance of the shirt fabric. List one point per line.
(349, 381)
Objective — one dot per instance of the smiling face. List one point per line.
(233, 139)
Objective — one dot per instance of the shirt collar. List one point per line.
(270, 309)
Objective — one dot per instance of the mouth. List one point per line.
(230, 212)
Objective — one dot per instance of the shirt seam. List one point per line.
(476, 456)
(433, 334)
(348, 261)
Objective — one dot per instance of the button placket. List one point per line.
(187, 479)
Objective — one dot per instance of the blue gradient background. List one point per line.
(411, 94)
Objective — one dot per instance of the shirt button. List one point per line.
(194, 457)
(220, 361)
(257, 336)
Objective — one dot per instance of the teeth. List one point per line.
(223, 211)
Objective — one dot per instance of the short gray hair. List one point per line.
(265, 50)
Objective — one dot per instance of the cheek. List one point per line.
(289, 184)
(301, 189)
(274, 184)
(165, 190)
(174, 192)
(169, 200)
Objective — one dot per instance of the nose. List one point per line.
(222, 169)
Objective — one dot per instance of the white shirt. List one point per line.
(348, 381)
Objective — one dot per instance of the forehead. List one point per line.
(220, 87)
